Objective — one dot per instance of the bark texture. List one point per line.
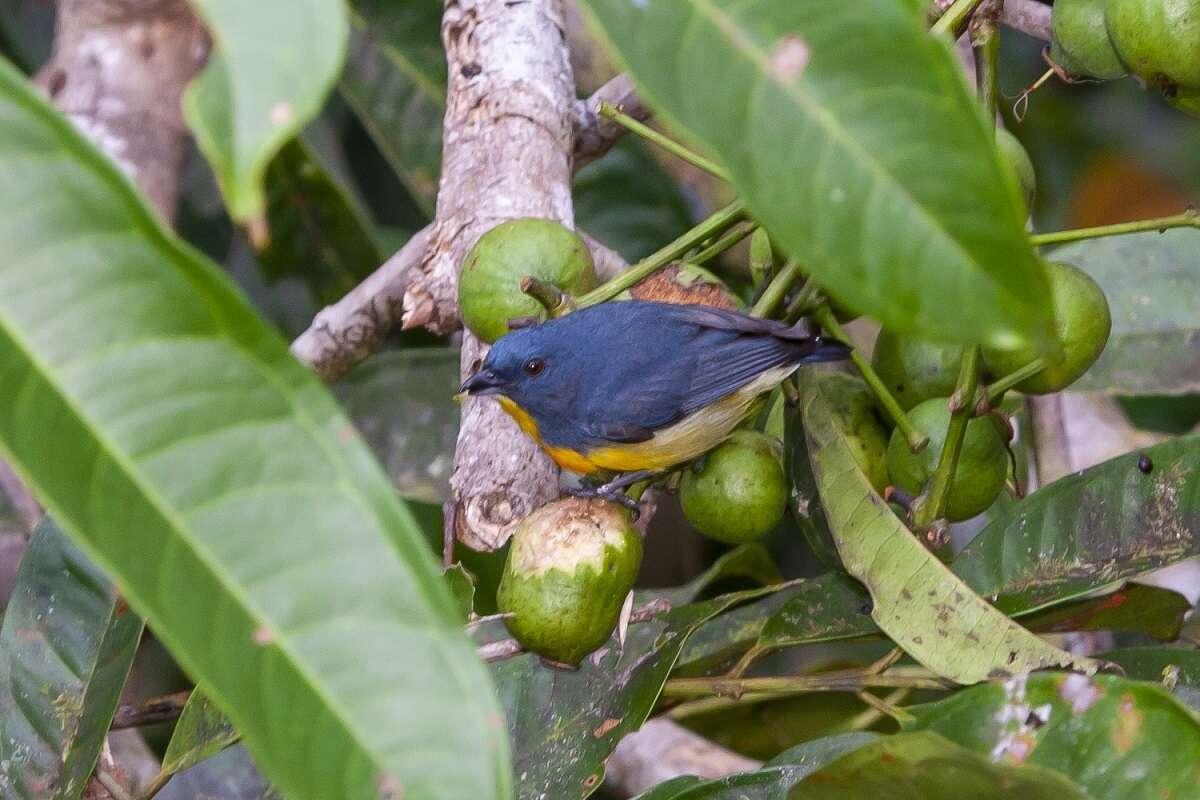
(506, 153)
(118, 71)
(662, 750)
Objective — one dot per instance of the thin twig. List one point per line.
(611, 112)
(1187, 219)
(112, 785)
(595, 135)
(150, 712)
(854, 680)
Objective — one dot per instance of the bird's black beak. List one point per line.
(482, 382)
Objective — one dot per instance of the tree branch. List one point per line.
(1030, 17)
(594, 134)
(663, 749)
(348, 331)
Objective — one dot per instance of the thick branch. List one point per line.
(348, 331)
(118, 70)
(664, 749)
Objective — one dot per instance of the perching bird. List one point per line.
(638, 387)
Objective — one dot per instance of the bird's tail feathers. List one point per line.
(826, 350)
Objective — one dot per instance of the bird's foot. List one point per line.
(614, 490)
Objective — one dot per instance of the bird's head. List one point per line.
(530, 366)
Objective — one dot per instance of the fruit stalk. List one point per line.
(731, 237)
(931, 505)
(995, 390)
(715, 225)
(777, 289)
(916, 439)
(611, 112)
(1188, 219)
(955, 18)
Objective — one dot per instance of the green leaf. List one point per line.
(395, 80)
(201, 732)
(462, 585)
(1091, 529)
(1118, 739)
(273, 63)
(748, 561)
(1176, 667)
(564, 724)
(319, 235)
(66, 647)
(871, 163)
(925, 766)
(215, 479)
(229, 775)
(784, 772)
(399, 401)
(1152, 281)
(1137, 608)
(918, 602)
(629, 202)
(26, 32)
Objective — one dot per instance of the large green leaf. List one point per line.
(65, 650)
(215, 479)
(769, 783)
(854, 138)
(925, 766)
(273, 63)
(1118, 739)
(1090, 529)
(1152, 281)
(395, 80)
(564, 725)
(917, 601)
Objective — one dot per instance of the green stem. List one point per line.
(986, 42)
(995, 390)
(554, 300)
(715, 225)
(891, 406)
(807, 300)
(777, 290)
(611, 112)
(731, 237)
(931, 505)
(853, 680)
(955, 18)
(1188, 219)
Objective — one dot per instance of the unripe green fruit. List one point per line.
(569, 568)
(1081, 326)
(915, 370)
(1081, 45)
(982, 462)
(853, 407)
(489, 285)
(740, 492)
(1187, 101)
(1159, 40)
(1012, 151)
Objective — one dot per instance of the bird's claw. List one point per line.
(610, 493)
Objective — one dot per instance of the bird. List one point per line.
(637, 387)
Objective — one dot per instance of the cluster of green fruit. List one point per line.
(1157, 40)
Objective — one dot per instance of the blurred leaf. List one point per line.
(462, 585)
(229, 775)
(1118, 739)
(1177, 667)
(212, 475)
(201, 732)
(925, 766)
(769, 783)
(26, 32)
(1145, 609)
(749, 561)
(872, 164)
(273, 62)
(1152, 281)
(395, 80)
(66, 647)
(1091, 529)
(628, 201)
(805, 500)
(1162, 414)
(917, 601)
(565, 724)
(400, 402)
(318, 233)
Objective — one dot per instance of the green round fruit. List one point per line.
(1013, 152)
(740, 492)
(1159, 40)
(982, 462)
(1080, 42)
(853, 407)
(915, 370)
(489, 285)
(569, 568)
(1081, 326)
(1187, 101)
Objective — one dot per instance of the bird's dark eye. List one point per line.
(534, 366)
